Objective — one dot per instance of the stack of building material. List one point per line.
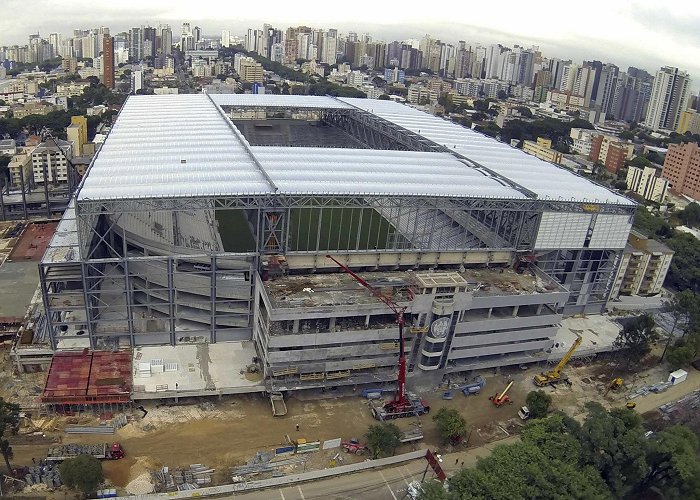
(46, 474)
(193, 478)
(157, 366)
(144, 370)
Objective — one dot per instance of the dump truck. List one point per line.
(279, 408)
(105, 451)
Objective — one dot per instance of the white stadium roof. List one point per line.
(546, 180)
(185, 146)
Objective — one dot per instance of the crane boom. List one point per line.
(567, 356)
(505, 391)
(400, 398)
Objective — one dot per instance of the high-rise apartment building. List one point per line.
(225, 38)
(108, 61)
(682, 168)
(77, 133)
(50, 161)
(669, 97)
(136, 44)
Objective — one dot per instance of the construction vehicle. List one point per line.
(502, 398)
(402, 405)
(553, 377)
(614, 385)
(524, 413)
(354, 446)
(103, 451)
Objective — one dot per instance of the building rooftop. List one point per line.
(184, 145)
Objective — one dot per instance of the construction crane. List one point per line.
(402, 405)
(502, 398)
(554, 376)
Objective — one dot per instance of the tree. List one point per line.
(690, 215)
(636, 338)
(502, 94)
(383, 439)
(83, 472)
(9, 420)
(613, 442)
(674, 467)
(450, 425)
(432, 490)
(538, 403)
(627, 135)
(521, 470)
(682, 354)
(639, 162)
(384, 97)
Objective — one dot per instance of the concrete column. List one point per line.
(367, 321)
(331, 324)
(539, 309)
(515, 311)
(490, 311)
(295, 326)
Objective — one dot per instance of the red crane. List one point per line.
(401, 405)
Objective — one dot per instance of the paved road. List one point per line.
(385, 484)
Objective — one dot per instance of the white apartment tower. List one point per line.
(669, 97)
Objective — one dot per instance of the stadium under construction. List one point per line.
(206, 219)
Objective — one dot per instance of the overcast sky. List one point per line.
(641, 33)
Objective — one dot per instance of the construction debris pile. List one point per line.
(263, 463)
(677, 410)
(197, 476)
(44, 474)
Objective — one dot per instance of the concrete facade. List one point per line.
(644, 266)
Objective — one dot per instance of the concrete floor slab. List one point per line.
(18, 282)
(598, 331)
(202, 369)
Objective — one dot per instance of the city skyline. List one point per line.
(642, 33)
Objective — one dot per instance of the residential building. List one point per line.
(582, 140)
(20, 168)
(542, 149)
(70, 64)
(136, 81)
(77, 133)
(251, 71)
(689, 122)
(71, 89)
(682, 168)
(610, 151)
(643, 267)
(647, 182)
(8, 147)
(50, 161)
(108, 62)
(669, 97)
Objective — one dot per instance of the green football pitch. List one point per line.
(333, 228)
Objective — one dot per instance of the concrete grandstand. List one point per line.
(207, 218)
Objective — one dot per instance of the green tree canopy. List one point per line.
(9, 422)
(383, 439)
(636, 338)
(450, 424)
(690, 215)
(674, 465)
(613, 442)
(82, 472)
(538, 403)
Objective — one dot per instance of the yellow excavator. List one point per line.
(554, 376)
(614, 385)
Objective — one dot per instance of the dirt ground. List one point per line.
(228, 432)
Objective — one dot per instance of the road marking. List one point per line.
(402, 476)
(388, 487)
(282, 495)
(408, 473)
(301, 493)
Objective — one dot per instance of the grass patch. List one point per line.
(235, 231)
